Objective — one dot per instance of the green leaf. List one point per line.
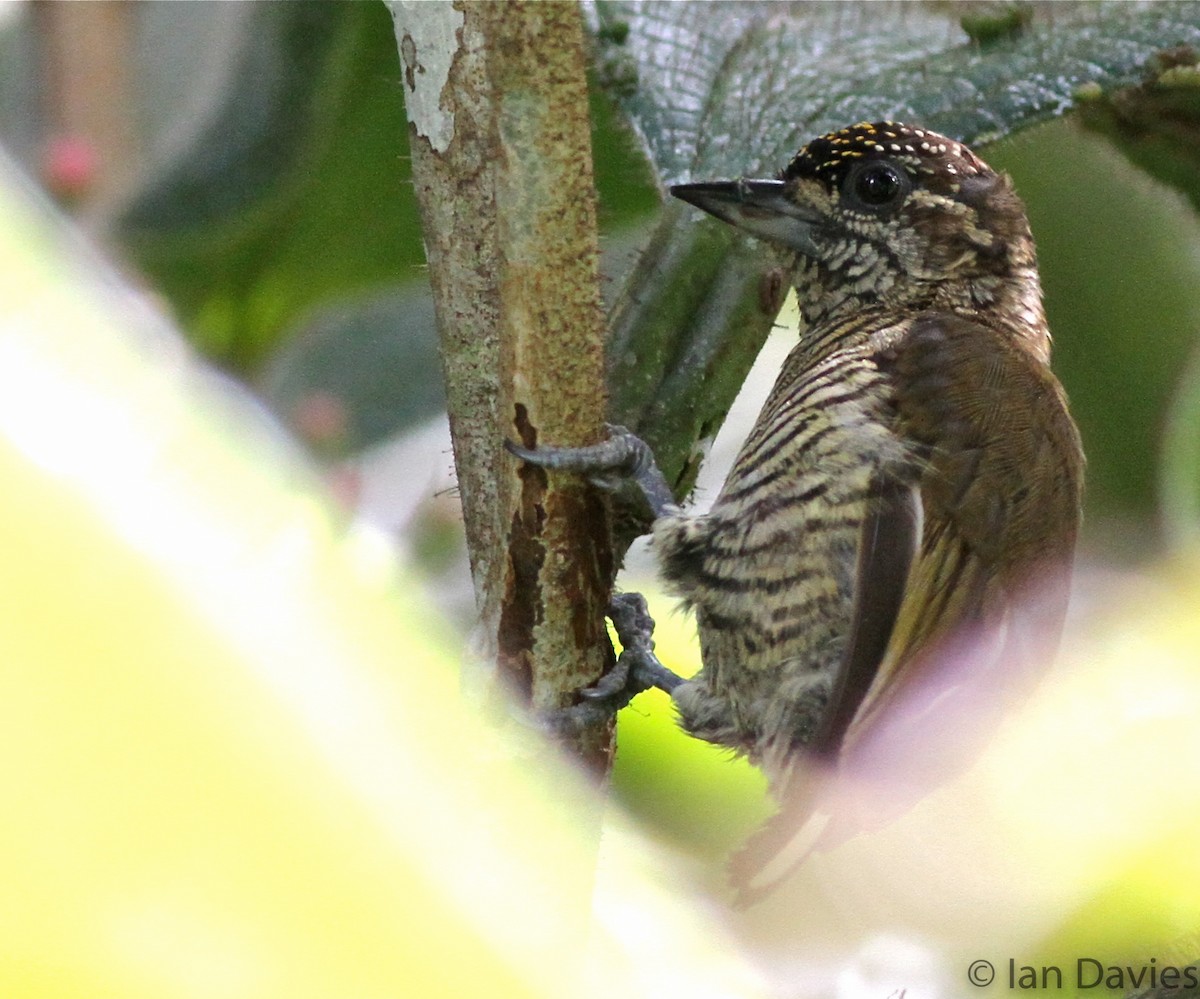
(734, 88)
(288, 193)
(359, 370)
(1119, 257)
(1179, 476)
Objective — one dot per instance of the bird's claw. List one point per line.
(611, 465)
(637, 669)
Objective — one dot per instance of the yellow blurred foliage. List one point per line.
(235, 758)
(234, 761)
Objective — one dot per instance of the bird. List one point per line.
(914, 476)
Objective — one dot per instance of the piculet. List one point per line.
(914, 476)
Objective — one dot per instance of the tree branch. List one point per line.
(498, 121)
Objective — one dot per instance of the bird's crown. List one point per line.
(927, 156)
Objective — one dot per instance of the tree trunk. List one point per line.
(496, 97)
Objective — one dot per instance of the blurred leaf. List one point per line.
(359, 370)
(286, 193)
(1156, 125)
(1179, 477)
(253, 137)
(1119, 257)
(236, 759)
(1072, 835)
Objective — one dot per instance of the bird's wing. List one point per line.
(999, 480)
(1001, 486)
(887, 545)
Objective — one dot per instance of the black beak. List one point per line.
(759, 207)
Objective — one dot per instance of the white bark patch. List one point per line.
(427, 37)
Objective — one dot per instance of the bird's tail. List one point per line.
(787, 839)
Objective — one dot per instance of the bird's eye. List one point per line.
(876, 184)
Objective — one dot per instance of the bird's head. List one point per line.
(894, 215)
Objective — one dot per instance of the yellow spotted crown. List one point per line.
(920, 151)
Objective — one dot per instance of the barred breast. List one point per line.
(770, 569)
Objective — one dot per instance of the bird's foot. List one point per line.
(611, 465)
(637, 669)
